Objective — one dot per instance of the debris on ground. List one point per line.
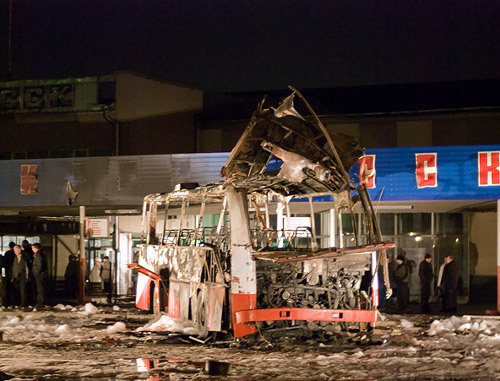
(60, 344)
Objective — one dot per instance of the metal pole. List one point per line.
(314, 243)
(116, 247)
(54, 263)
(279, 224)
(333, 228)
(117, 138)
(81, 293)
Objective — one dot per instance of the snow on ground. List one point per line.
(166, 323)
(60, 344)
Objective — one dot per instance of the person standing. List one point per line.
(19, 276)
(106, 274)
(30, 285)
(402, 277)
(8, 260)
(426, 274)
(71, 276)
(40, 273)
(95, 277)
(26, 247)
(439, 285)
(450, 284)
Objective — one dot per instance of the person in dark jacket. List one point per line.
(8, 260)
(19, 276)
(71, 276)
(30, 285)
(26, 247)
(40, 273)
(426, 274)
(402, 275)
(450, 284)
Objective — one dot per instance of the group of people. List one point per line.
(26, 274)
(447, 283)
(100, 275)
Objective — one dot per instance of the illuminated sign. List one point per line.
(367, 170)
(97, 227)
(426, 170)
(488, 168)
(29, 181)
(432, 173)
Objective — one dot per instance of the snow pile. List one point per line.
(90, 308)
(63, 328)
(100, 300)
(51, 329)
(117, 327)
(406, 324)
(62, 307)
(166, 323)
(465, 324)
(12, 320)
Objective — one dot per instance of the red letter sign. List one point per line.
(367, 170)
(29, 182)
(426, 170)
(488, 168)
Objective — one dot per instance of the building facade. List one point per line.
(432, 167)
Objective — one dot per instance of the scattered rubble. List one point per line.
(59, 344)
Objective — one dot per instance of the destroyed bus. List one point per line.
(247, 269)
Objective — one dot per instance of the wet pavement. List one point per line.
(64, 345)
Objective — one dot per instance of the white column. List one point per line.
(82, 232)
(242, 265)
(375, 285)
(81, 291)
(314, 244)
(333, 228)
(279, 223)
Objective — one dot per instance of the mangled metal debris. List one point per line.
(240, 265)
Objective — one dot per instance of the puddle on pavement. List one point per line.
(210, 367)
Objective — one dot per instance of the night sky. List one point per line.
(255, 45)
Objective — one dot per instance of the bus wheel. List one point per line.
(202, 315)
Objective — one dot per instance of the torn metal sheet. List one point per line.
(309, 163)
(245, 266)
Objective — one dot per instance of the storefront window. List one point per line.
(414, 248)
(414, 223)
(6, 239)
(449, 223)
(347, 225)
(453, 245)
(386, 222)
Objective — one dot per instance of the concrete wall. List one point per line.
(414, 133)
(30, 133)
(172, 133)
(65, 242)
(483, 236)
(351, 129)
(139, 97)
